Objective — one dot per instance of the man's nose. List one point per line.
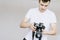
(43, 7)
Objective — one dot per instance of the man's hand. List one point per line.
(52, 31)
(32, 27)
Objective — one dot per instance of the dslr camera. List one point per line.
(39, 28)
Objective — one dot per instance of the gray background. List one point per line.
(13, 11)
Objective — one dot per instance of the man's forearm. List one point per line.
(49, 33)
(25, 25)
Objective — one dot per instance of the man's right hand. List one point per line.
(33, 28)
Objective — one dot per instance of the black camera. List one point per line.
(39, 28)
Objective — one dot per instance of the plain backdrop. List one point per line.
(13, 11)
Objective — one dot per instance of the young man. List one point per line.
(40, 15)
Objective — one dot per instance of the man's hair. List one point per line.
(44, 1)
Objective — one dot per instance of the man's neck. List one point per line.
(41, 10)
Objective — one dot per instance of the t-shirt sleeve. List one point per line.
(53, 18)
(28, 14)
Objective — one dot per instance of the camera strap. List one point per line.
(33, 35)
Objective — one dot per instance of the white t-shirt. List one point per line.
(34, 15)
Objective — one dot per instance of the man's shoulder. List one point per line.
(31, 11)
(50, 12)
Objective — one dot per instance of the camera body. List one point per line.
(39, 28)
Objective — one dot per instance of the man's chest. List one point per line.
(40, 18)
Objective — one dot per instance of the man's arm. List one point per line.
(24, 23)
(52, 31)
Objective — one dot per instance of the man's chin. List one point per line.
(43, 11)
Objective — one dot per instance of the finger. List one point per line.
(33, 30)
(34, 27)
